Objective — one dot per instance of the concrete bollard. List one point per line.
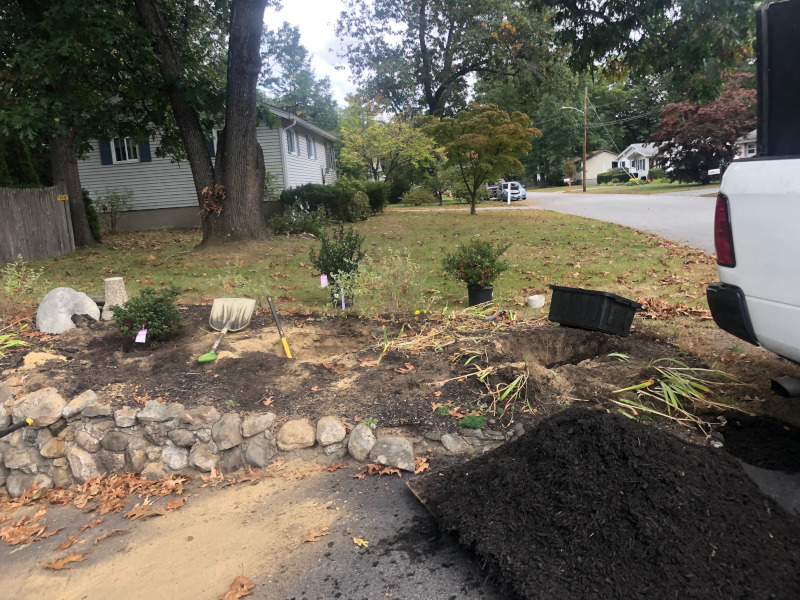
(115, 296)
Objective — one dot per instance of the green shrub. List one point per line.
(340, 254)
(152, 309)
(418, 196)
(656, 173)
(356, 208)
(613, 176)
(296, 220)
(20, 278)
(477, 263)
(378, 192)
(92, 216)
(112, 204)
(398, 187)
(339, 201)
(473, 422)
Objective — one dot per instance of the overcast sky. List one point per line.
(316, 20)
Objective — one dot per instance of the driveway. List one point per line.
(685, 217)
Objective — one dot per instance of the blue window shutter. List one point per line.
(144, 152)
(105, 152)
(210, 142)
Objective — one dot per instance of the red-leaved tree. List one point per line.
(694, 138)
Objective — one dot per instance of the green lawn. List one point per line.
(547, 248)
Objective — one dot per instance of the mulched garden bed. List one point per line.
(594, 505)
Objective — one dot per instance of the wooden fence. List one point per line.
(34, 223)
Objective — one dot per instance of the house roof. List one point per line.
(645, 150)
(279, 112)
(593, 154)
(750, 137)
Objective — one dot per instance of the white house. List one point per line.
(296, 152)
(597, 162)
(637, 159)
(746, 145)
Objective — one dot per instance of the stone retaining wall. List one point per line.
(69, 442)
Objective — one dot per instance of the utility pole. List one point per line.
(585, 106)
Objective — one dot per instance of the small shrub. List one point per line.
(477, 263)
(378, 192)
(340, 202)
(661, 180)
(340, 254)
(19, 278)
(92, 216)
(152, 309)
(296, 220)
(356, 208)
(613, 176)
(112, 204)
(656, 173)
(272, 188)
(418, 196)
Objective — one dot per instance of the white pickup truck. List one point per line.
(757, 220)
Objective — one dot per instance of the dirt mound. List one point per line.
(594, 505)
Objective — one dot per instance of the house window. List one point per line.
(751, 149)
(309, 147)
(622, 164)
(297, 133)
(329, 158)
(125, 150)
(289, 142)
(614, 164)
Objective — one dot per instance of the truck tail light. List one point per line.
(723, 236)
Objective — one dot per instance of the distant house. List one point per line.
(296, 152)
(637, 159)
(746, 145)
(598, 161)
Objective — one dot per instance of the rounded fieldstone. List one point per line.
(78, 403)
(125, 416)
(361, 441)
(158, 412)
(254, 425)
(87, 442)
(295, 435)
(394, 451)
(112, 462)
(44, 406)
(202, 415)
(455, 444)
(182, 437)
(81, 463)
(202, 459)
(116, 441)
(154, 470)
(330, 431)
(227, 432)
(175, 458)
(53, 448)
(17, 458)
(260, 452)
(136, 453)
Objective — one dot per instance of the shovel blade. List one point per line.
(233, 313)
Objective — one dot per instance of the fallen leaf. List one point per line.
(336, 368)
(52, 532)
(144, 510)
(359, 475)
(175, 504)
(315, 535)
(314, 389)
(64, 545)
(421, 464)
(408, 369)
(365, 362)
(437, 394)
(240, 588)
(91, 524)
(61, 563)
(142, 399)
(361, 542)
(113, 532)
(390, 471)
(335, 467)
(268, 401)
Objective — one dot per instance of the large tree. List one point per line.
(381, 147)
(482, 143)
(423, 53)
(229, 191)
(694, 138)
(290, 81)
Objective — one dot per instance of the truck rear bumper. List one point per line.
(729, 308)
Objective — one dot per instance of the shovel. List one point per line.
(227, 314)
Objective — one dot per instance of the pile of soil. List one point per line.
(594, 505)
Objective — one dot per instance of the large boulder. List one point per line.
(57, 307)
(44, 406)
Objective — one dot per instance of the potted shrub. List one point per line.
(338, 258)
(477, 264)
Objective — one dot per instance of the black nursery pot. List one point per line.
(479, 295)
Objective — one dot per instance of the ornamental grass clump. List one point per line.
(477, 263)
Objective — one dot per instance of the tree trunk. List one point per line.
(240, 162)
(64, 160)
(186, 117)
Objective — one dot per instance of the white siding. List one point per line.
(301, 169)
(156, 184)
(270, 141)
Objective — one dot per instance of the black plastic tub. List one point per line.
(590, 309)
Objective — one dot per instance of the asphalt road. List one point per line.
(685, 217)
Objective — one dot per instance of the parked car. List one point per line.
(517, 191)
(493, 186)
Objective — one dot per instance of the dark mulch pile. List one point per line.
(762, 441)
(594, 505)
